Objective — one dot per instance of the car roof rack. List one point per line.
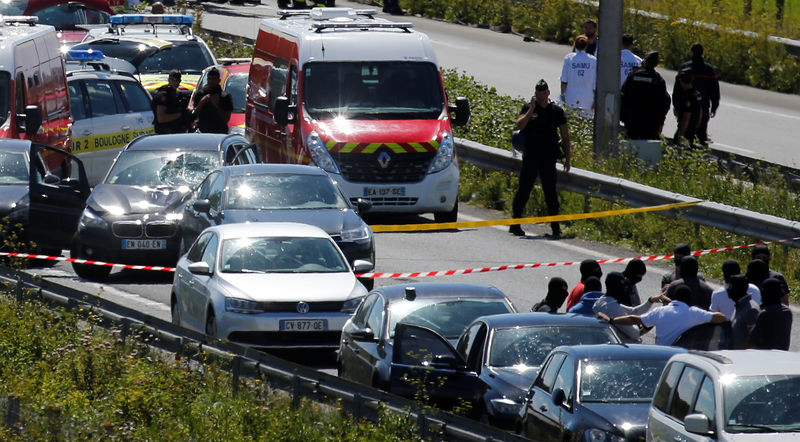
(30, 20)
(713, 356)
(327, 13)
(319, 27)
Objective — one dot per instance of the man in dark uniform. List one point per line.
(169, 116)
(213, 106)
(645, 101)
(707, 84)
(541, 120)
(687, 103)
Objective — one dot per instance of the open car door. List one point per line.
(425, 366)
(58, 190)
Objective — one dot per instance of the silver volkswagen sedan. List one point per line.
(266, 285)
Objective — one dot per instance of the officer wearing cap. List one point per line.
(213, 106)
(541, 121)
(645, 101)
(687, 103)
(169, 116)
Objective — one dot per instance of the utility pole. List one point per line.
(607, 102)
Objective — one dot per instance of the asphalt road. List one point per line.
(750, 122)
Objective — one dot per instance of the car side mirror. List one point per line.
(363, 205)
(199, 268)
(362, 266)
(51, 179)
(284, 114)
(461, 110)
(33, 120)
(363, 334)
(559, 397)
(202, 206)
(697, 423)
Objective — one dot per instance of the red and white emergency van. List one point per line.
(34, 103)
(362, 98)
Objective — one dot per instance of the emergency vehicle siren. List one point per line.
(154, 19)
(84, 55)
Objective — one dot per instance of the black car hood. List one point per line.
(521, 378)
(332, 221)
(618, 414)
(132, 200)
(9, 195)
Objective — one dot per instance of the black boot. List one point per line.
(516, 230)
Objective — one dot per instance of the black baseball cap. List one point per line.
(213, 71)
(541, 85)
(176, 74)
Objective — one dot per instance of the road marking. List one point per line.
(449, 45)
(750, 109)
(737, 149)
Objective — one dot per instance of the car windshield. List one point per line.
(448, 317)
(65, 16)
(162, 168)
(626, 380)
(284, 191)
(235, 85)
(5, 95)
(281, 255)
(397, 90)
(190, 57)
(14, 168)
(761, 404)
(528, 346)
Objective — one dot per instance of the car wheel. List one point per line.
(175, 310)
(447, 217)
(87, 271)
(211, 324)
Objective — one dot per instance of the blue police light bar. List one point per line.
(156, 19)
(84, 55)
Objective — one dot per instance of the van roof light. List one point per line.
(154, 19)
(327, 13)
(318, 27)
(84, 55)
(21, 19)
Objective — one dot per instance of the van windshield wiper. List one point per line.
(748, 427)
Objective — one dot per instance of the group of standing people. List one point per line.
(755, 303)
(210, 111)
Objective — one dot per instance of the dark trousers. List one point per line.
(702, 128)
(546, 170)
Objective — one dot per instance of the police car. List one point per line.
(154, 44)
(109, 109)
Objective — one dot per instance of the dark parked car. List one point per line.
(43, 189)
(594, 393)
(493, 363)
(284, 193)
(134, 215)
(365, 354)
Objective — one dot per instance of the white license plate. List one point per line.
(144, 244)
(384, 191)
(303, 324)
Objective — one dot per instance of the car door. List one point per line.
(365, 354)
(671, 427)
(185, 281)
(138, 110)
(198, 291)
(351, 347)
(425, 365)
(195, 221)
(542, 418)
(106, 133)
(58, 189)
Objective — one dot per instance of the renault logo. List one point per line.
(383, 160)
(303, 307)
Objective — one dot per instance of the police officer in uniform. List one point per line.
(706, 83)
(213, 106)
(541, 120)
(645, 101)
(169, 115)
(687, 103)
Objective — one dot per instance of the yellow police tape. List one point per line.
(532, 220)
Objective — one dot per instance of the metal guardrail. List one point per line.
(297, 380)
(733, 219)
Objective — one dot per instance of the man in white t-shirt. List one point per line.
(672, 319)
(578, 78)
(720, 301)
(628, 61)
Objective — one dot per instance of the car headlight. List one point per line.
(237, 305)
(444, 156)
(359, 233)
(598, 435)
(505, 406)
(91, 220)
(319, 153)
(351, 305)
